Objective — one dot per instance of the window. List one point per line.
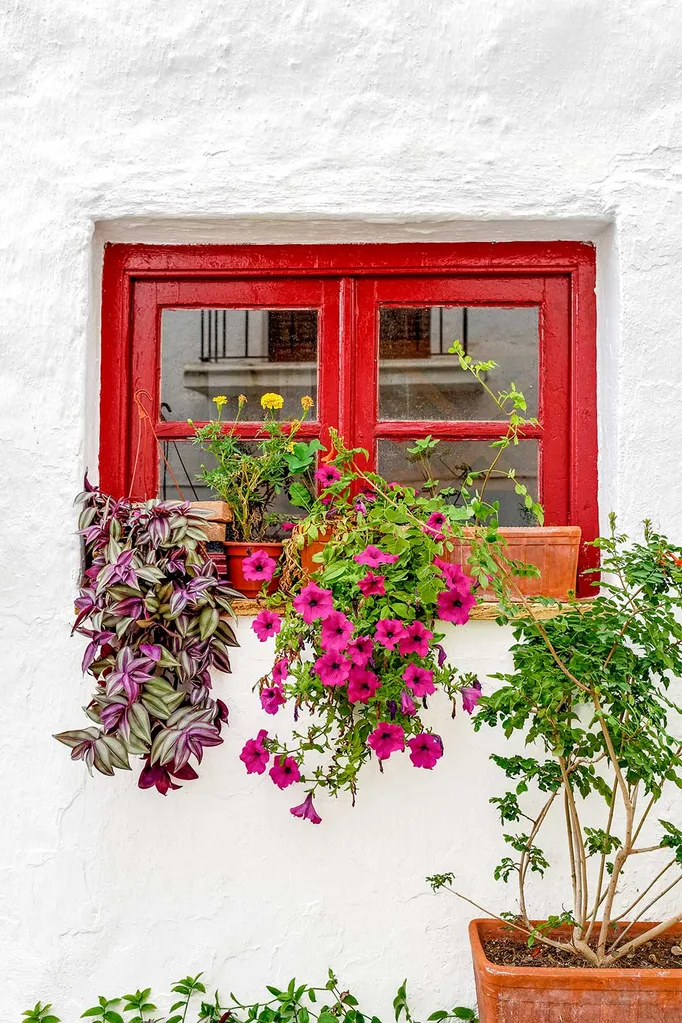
(365, 330)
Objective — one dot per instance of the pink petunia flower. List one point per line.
(280, 670)
(254, 756)
(454, 575)
(259, 567)
(389, 632)
(284, 772)
(287, 526)
(454, 605)
(372, 585)
(426, 750)
(436, 520)
(266, 624)
(407, 704)
(306, 811)
(327, 474)
(313, 602)
(373, 557)
(336, 631)
(386, 739)
(360, 507)
(416, 640)
(362, 684)
(333, 668)
(272, 698)
(470, 696)
(360, 650)
(420, 680)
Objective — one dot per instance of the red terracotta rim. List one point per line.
(587, 977)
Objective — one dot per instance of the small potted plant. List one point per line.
(590, 692)
(157, 621)
(249, 476)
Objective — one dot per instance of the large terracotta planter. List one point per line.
(311, 548)
(235, 554)
(523, 994)
(552, 549)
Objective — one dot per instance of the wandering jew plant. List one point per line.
(359, 647)
(155, 616)
(591, 690)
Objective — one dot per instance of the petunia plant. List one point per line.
(157, 621)
(359, 647)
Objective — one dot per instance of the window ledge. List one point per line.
(485, 612)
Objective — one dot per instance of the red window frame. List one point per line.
(347, 283)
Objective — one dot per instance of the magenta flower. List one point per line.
(386, 739)
(259, 567)
(389, 632)
(442, 656)
(360, 650)
(454, 605)
(372, 585)
(420, 680)
(426, 750)
(280, 670)
(407, 705)
(470, 696)
(254, 756)
(336, 631)
(360, 507)
(327, 474)
(333, 668)
(284, 772)
(362, 684)
(313, 602)
(267, 624)
(436, 521)
(272, 698)
(373, 557)
(416, 640)
(306, 811)
(287, 526)
(454, 575)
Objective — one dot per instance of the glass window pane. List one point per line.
(419, 380)
(206, 352)
(450, 463)
(183, 460)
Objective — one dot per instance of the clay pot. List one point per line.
(527, 994)
(214, 527)
(311, 548)
(235, 554)
(552, 549)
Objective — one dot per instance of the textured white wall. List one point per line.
(262, 121)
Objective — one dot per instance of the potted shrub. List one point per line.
(249, 475)
(358, 650)
(590, 691)
(157, 621)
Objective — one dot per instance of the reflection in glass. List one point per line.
(206, 352)
(452, 461)
(420, 380)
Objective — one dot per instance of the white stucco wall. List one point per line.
(261, 121)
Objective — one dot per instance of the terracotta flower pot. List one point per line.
(214, 527)
(552, 549)
(310, 549)
(235, 554)
(536, 994)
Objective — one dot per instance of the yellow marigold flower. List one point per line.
(271, 400)
(241, 399)
(307, 402)
(220, 400)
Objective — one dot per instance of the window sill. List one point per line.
(485, 612)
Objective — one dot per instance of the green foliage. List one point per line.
(249, 475)
(296, 1003)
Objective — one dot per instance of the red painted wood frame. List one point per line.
(347, 284)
